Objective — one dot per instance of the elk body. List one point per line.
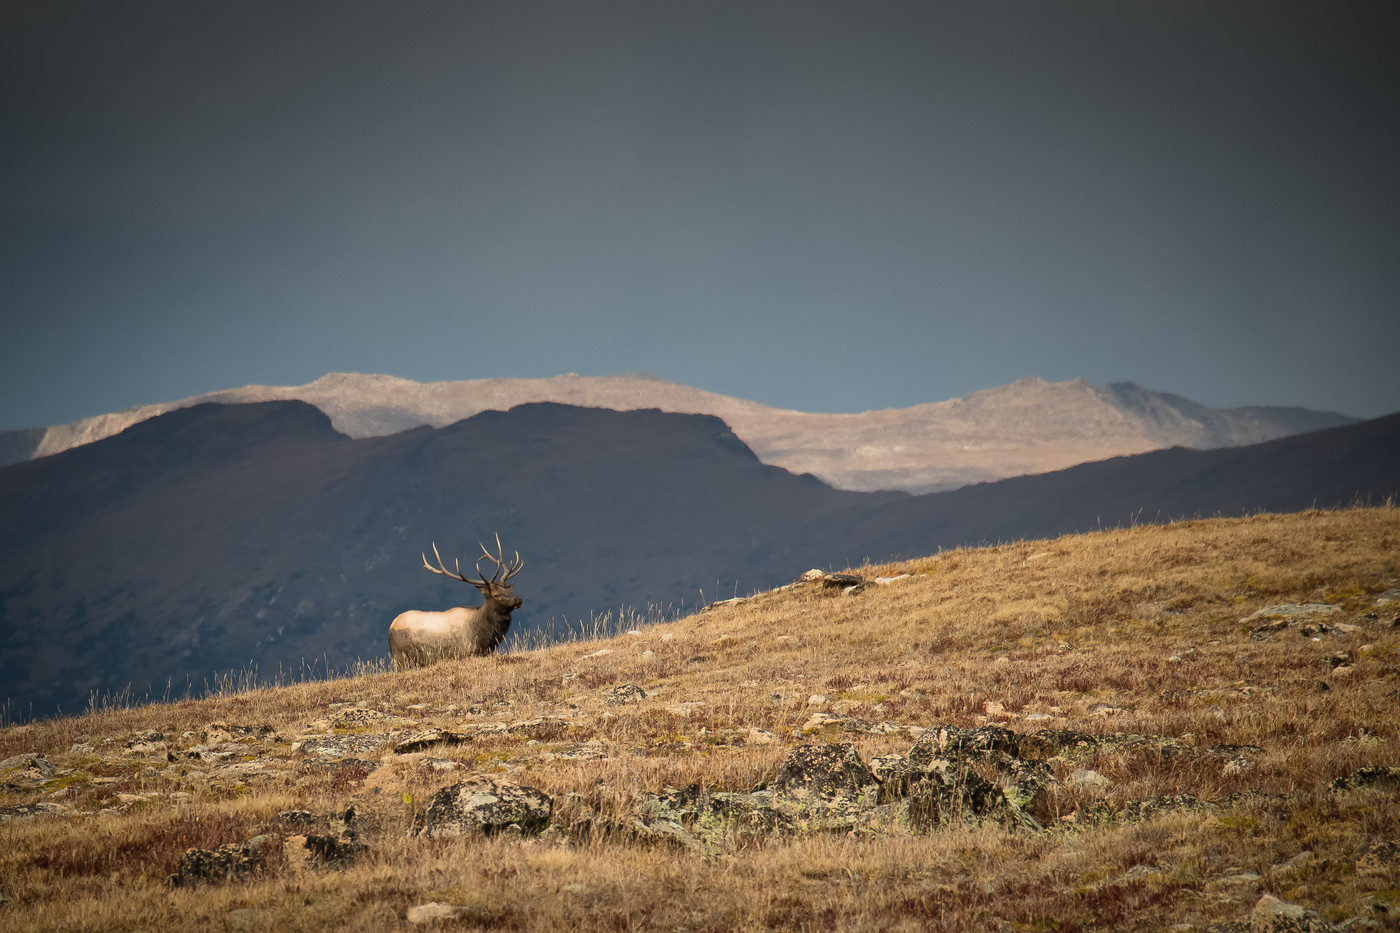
(418, 638)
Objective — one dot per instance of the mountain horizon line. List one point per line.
(1029, 426)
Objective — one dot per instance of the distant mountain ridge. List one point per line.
(1030, 426)
(231, 536)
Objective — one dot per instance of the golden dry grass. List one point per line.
(1133, 631)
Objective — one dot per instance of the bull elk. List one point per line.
(419, 638)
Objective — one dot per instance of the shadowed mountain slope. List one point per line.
(221, 536)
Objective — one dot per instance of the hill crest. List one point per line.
(1029, 426)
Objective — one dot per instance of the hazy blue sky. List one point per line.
(829, 206)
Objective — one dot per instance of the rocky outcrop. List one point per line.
(486, 805)
(226, 863)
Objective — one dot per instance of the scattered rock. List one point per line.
(594, 750)
(249, 920)
(30, 809)
(847, 583)
(1275, 916)
(1380, 777)
(1084, 777)
(1379, 858)
(344, 746)
(435, 911)
(757, 736)
(419, 741)
(26, 770)
(226, 863)
(1292, 611)
(146, 743)
(624, 693)
(297, 818)
(219, 732)
(329, 851)
(487, 806)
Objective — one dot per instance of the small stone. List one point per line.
(816, 699)
(624, 693)
(434, 911)
(1088, 777)
(249, 920)
(824, 723)
(1270, 909)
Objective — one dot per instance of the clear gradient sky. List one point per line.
(825, 206)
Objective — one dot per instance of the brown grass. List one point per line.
(1120, 631)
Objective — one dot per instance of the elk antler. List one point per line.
(445, 572)
(500, 561)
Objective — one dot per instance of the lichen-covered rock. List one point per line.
(26, 770)
(749, 814)
(986, 743)
(624, 693)
(956, 799)
(1139, 810)
(894, 774)
(1047, 743)
(1380, 777)
(485, 805)
(23, 810)
(429, 738)
(1026, 786)
(333, 852)
(1379, 858)
(226, 863)
(345, 746)
(827, 771)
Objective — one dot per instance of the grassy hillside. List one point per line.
(1163, 763)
